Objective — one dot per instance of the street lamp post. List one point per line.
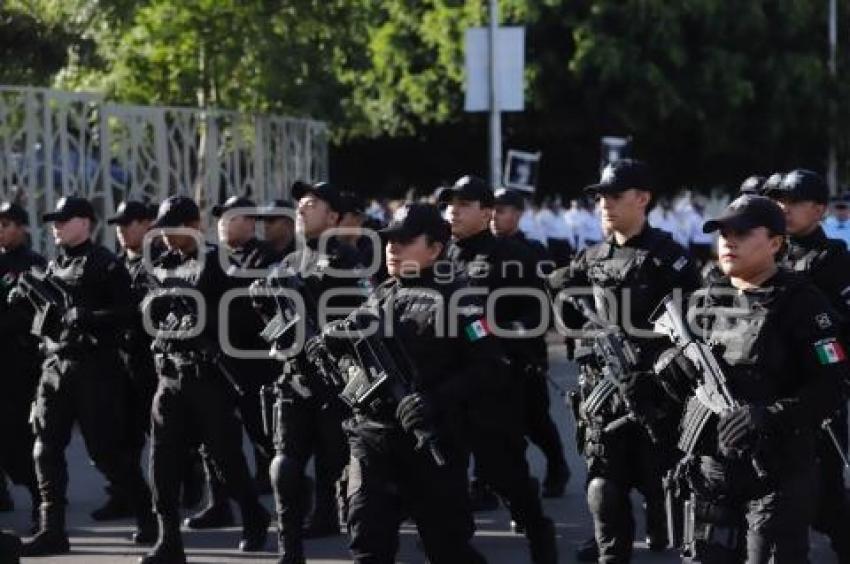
(495, 109)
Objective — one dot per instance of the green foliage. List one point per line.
(709, 89)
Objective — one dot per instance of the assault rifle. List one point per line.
(180, 325)
(51, 300)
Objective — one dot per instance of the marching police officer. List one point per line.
(496, 428)
(278, 218)
(408, 456)
(540, 428)
(132, 220)
(246, 259)
(634, 268)
(195, 394)
(308, 416)
(82, 376)
(751, 470)
(804, 196)
(19, 349)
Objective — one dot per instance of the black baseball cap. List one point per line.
(325, 191)
(506, 197)
(801, 185)
(16, 213)
(772, 183)
(273, 209)
(469, 189)
(131, 210)
(234, 202)
(352, 203)
(753, 184)
(622, 175)
(411, 220)
(68, 207)
(176, 211)
(748, 212)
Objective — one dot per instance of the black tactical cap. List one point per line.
(16, 213)
(506, 197)
(411, 220)
(622, 175)
(68, 207)
(274, 209)
(131, 210)
(177, 211)
(323, 190)
(351, 203)
(748, 212)
(752, 184)
(801, 185)
(772, 183)
(469, 189)
(234, 202)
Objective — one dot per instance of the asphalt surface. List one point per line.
(96, 543)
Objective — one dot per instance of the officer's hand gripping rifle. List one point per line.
(711, 391)
(375, 382)
(50, 300)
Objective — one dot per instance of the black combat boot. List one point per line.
(291, 549)
(147, 529)
(10, 548)
(117, 506)
(217, 514)
(169, 548)
(255, 527)
(51, 539)
(542, 543)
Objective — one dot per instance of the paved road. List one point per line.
(94, 543)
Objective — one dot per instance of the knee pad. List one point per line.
(604, 497)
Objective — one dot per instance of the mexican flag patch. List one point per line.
(830, 351)
(477, 330)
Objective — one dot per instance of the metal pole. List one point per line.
(832, 165)
(495, 112)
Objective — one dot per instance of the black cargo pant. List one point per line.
(540, 428)
(389, 479)
(192, 404)
(740, 518)
(306, 426)
(21, 375)
(832, 516)
(498, 447)
(617, 462)
(84, 389)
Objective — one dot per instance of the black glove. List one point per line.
(414, 412)
(739, 429)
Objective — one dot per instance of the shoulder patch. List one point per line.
(477, 330)
(830, 351)
(823, 321)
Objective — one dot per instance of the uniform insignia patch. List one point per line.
(680, 263)
(823, 321)
(477, 330)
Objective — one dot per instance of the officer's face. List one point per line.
(71, 232)
(747, 254)
(505, 220)
(801, 217)
(407, 258)
(279, 230)
(131, 235)
(183, 241)
(314, 216)
(468, 218)
(11, 233)
(623, 211)
(236, 230)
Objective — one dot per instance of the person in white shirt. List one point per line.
(837, 225)
(557, 232)
(528, 224)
